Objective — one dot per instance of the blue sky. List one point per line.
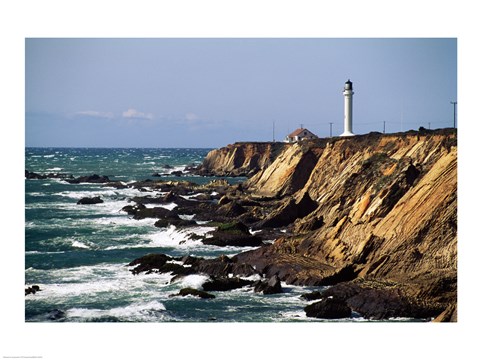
(210, 92)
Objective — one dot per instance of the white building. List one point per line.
(299, 135)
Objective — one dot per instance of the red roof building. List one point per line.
(299, 135)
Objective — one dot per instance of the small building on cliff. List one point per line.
(299, 135)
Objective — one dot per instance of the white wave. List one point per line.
(190, 197)
(193, 281)
(178, 168)
(124, 220)
(79, 244)
(171, 237)
(106, 208)
(55, 169)
(254, 277)
(35, 252)
(148, 311)
(49, 156)
(84, 193)
(36, 194)
(102, 281)
(294, 315)
(169, 206)
(186, 217)
(128, 246)
(60, 241)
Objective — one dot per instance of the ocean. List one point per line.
(78, 254)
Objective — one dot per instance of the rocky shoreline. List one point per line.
(372, 218)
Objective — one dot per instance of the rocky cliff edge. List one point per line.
(372, 214)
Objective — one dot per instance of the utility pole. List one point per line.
(384, 126)
(331, 129)
(429, 125)
(274, 131)
(454, 103)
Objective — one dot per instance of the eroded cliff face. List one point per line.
(379, 208)
(240, 159)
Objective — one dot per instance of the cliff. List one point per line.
(240, 159)
(373, 211)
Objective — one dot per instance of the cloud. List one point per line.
(135, 114)
(97, 114)
(191, 117)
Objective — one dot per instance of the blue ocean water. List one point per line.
(78, 254)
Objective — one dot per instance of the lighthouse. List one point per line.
(347, 121)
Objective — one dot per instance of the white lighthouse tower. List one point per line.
(348, 93)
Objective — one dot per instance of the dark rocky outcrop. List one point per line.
(195, 292)
(90, 200)
(140, 211)
(32, 289)
(229, 239)
(329, 308)
(177, 222)
(232, 234)
(56, 314)
(271, 286)
(220, 267)
(225, 283)
(149, 262)
(379, 304)
(32, 175)
(94, 179)
(314, 295)
(375, 300)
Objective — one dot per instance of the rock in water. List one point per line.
(90, 201)
(195, 292)
(32, 290)
(272, 286)
(94, 179)
(329, 308)
(56, 314)
(149, 262)
(225, 284)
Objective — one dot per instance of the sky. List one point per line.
(209, 92)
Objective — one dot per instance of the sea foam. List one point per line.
(146, 311)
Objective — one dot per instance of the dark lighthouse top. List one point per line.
(348, 85)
